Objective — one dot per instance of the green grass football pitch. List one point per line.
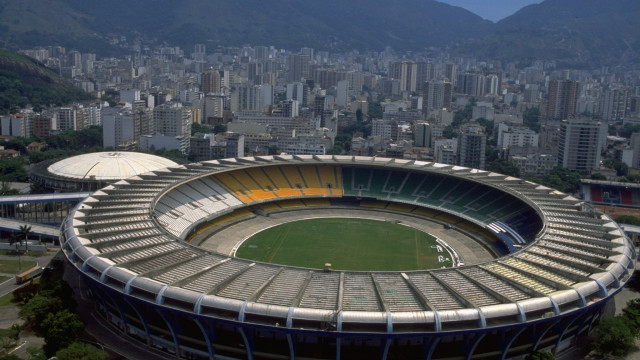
(348, 244)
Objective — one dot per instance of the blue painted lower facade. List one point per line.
(192, 336)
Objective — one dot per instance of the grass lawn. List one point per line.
(348, 244)
(6, 300)
(13, 267)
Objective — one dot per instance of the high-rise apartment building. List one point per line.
(42, 126)
(563, 96)
(436, 95)
(422, 134)
(172, 119)
(472, 143)
(471, 83)
(450, 73)
(118, 128)
(65, 118)
(406, 73)
(614, 104)
(298, 67)
(211, 82)
(579, 144)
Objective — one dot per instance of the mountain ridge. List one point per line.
(588, 26)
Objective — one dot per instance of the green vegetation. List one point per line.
(621, 168)
(13, 266)
(503, 167)
(24, 82)
(541, 355)
(375, 109)
(49, 309)
(628, 219)
(617, 335)
(628, 129)
(13, 170)
(7, 299)
(70, 143)
(81, 351)
(562, 179)
(530, 118)
(348, 244)
(9, 337)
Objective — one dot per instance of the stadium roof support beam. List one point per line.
(256, 294)
(188, 279)
(580, 256)
(163, 269)
(340, 293)
(100, 245)
(549, 282)
(583, 244)
(492, 292)
(455, 292)
(129, 264)
(416, 292)
(303, 288)
(385, 307)
(569, 275)
(216, 289)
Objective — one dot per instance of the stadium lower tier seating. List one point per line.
(479, 202)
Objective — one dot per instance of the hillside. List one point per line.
(327, 25)
(575, 32)
(24, 81)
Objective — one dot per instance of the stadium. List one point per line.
(529, 267)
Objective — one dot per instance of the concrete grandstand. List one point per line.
(554, 262)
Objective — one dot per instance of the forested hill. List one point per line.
(24, 81)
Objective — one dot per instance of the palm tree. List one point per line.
(23, 234)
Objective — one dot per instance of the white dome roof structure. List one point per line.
(108, 166)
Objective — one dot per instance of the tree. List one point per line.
(37, 309)
(81, 351)
(621, 168)
(359, 116)
(628, 219)
(503, 167)
(632, 312)
(219, 128)
(36, 353)
(25, 232)
(562, 179)
(200, 128)
(10, 357)
(615, 336)
(9, 337)
(60, 330)
(375, 109)
(12, 170)
(541, 355)
(274, 150)
(530, 118)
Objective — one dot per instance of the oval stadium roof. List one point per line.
(108, 165)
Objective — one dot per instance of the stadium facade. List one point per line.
(134, 243)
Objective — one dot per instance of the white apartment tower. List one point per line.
(579, 144)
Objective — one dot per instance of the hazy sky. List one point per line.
(493, 10)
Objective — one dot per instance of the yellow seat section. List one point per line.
(331, 178)
(293, 176)
(234, 187)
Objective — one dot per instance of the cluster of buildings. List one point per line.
(273, 100)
